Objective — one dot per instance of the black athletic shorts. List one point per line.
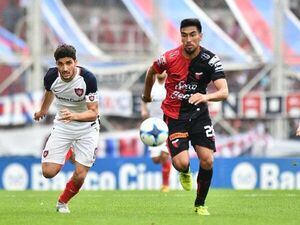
(199, 131)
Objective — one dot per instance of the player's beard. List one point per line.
(190, 51)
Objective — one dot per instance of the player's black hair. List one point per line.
(191, 22)
(65, 50)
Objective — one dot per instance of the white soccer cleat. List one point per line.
(62, 208)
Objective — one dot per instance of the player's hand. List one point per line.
(66, 116)
(197, 98)
(298, 131)
(39, 115)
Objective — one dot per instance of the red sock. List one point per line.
(71, 189)
(166, 167)
(69, 154)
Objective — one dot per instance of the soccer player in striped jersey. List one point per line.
(76, 122)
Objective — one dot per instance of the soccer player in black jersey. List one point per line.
(190, 68)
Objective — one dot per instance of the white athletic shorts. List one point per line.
(84, 144)
(156, 151)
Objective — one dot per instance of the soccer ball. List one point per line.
(153, 131)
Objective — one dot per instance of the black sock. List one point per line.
(203, 184)
(186, 170)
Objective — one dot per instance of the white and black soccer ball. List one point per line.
(153, 131)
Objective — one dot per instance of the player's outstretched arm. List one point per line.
(47, 100)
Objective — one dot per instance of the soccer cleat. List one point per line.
(165, 188)
(186, 180)
(202, 210)
(62, 208)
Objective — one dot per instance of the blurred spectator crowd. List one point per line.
(111, 27)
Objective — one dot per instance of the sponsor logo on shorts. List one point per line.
(79, 91)
(45, 153)
(178, 135)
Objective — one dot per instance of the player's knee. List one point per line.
(181, 165)
(207, 163)
(48, 173)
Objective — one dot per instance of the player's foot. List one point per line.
(186, 180)
(62, 208)
(165, 188)
(202, 210)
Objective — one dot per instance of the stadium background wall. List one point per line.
(21, 173)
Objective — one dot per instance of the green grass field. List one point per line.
(227, 207)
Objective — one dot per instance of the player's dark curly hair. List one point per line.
(65, 50)
(191, 22)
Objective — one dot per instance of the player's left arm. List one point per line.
(219, 95)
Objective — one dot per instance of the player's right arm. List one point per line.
(144, 110)
(47, 100)
(149, 81)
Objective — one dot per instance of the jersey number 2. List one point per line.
(209, 130)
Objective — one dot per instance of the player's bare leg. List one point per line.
(50, 170)
(181, 162)
(72, 187)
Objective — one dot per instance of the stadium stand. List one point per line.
(66, 29)
(256, 18)
(58, 16)
(172, 12)
(10, 47)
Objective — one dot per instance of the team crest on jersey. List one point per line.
(45, 153)
(91, 98)
(161, 60)
(198, 75)
(79, 91)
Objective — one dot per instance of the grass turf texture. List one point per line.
(227, 207)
